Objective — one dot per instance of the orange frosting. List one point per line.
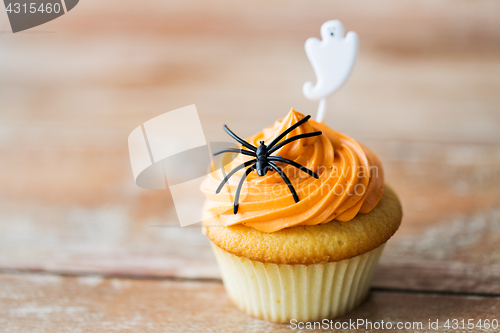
(351, 180)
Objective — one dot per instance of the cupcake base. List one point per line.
(281, 292)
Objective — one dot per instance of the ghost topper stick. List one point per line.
(332, 60)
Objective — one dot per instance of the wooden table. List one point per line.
(83, 249)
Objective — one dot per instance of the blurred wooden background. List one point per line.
(82, 246)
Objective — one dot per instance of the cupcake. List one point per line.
(307, 255)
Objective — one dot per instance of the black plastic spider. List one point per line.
(263, 160)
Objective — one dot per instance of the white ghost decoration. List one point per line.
(332, 60)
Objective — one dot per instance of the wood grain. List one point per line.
(41, 303)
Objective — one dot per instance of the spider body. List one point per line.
(263, 160)
(262, 163)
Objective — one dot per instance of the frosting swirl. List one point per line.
(351, 180)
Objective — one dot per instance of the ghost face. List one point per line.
(332, 30)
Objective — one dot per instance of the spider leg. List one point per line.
(293, 138)
(285, 132)
(293, 163)
(232, 172)
(237, 138)
(287, 181)
(232, 150)
(238, 189)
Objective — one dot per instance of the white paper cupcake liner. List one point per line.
(283, 292)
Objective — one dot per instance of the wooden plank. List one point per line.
(451, 227)
(429, 25)
(448, 240)
(51, 303)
